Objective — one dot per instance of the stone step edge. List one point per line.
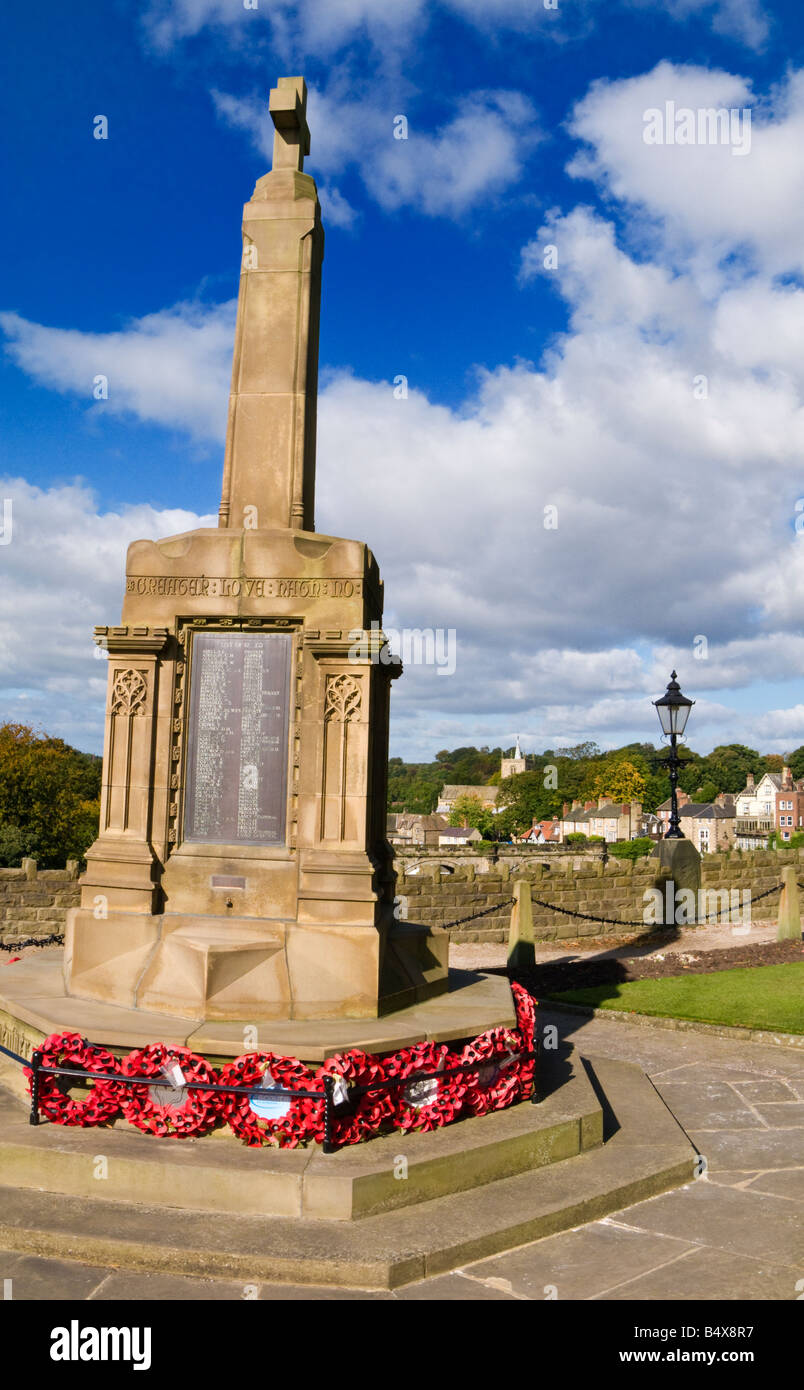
(502, 1144)
(593, 1186)
(679, 1025)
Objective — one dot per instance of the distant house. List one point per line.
(789, 805)
(408, 828)
(710, 825)
(453, 835)
(650, 827)
(611, 820)
(451, 792)
(756, 810)
(543, 832)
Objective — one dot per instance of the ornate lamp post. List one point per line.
(673, 710)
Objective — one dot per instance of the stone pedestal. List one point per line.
(684, 863)
(176, 921)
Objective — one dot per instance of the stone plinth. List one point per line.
(303, 927)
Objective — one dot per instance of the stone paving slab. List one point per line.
(709, 1275)
(742, 1222)
(784, 1116)
(752, 1150)
(707, 1105)
(34, 1279)
(123, 1285)
(578, 1265)
(787, 1182)
(765, 1092)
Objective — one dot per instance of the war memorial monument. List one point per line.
(240, 895)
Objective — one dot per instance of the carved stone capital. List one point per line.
(121, 641)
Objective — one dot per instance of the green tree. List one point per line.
(728, 766)
(795, 762)
(469, 811)
(49, 793)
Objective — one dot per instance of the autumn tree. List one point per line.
(48, 797)
(620, 781)
(469, 812)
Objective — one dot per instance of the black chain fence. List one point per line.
(596, 917)
(634, 922)
(486, 911)
(55, 939)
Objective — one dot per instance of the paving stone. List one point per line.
(458, 1288)
(766, 1092)
(750, 1149)
(128, 1286)
(35, 1277)
(580, 1263)
(784, 1183)
(730, 1179)
(785, 1116)
(740, 1073)
(743, 1222)
(707, 1274)
(707, 1105)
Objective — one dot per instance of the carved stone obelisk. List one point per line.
(241, 871)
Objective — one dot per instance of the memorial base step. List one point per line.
(376, 1246)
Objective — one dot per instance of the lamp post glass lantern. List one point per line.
(673, 710)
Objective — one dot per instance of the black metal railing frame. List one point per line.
(38, 1069)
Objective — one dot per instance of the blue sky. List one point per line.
(527, 387)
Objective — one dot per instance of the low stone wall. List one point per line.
(34, 902)
(578, 883)
(616, 889)
(514, 856)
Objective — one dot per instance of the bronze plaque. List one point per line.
(237, 742)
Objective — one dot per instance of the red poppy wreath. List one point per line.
(431, 1101)
(356, 1117)
(260, 1118)
(496, 1082)
(525, 1007)
(102, 1101)
(174, 1110)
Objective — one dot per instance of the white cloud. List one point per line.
(63, 573)
(314, 27)
(324, 27)
(740, 19)
(170, 368)
(477, 154)
(705, 203)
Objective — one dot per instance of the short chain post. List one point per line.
(36, 1062)
(329, 1086)
(536, 1094)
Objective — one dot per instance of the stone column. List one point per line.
(269, 464)
(121, 864)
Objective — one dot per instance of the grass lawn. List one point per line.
(762, 996)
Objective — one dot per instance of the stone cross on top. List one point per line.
(269, 463)
(288, 107)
